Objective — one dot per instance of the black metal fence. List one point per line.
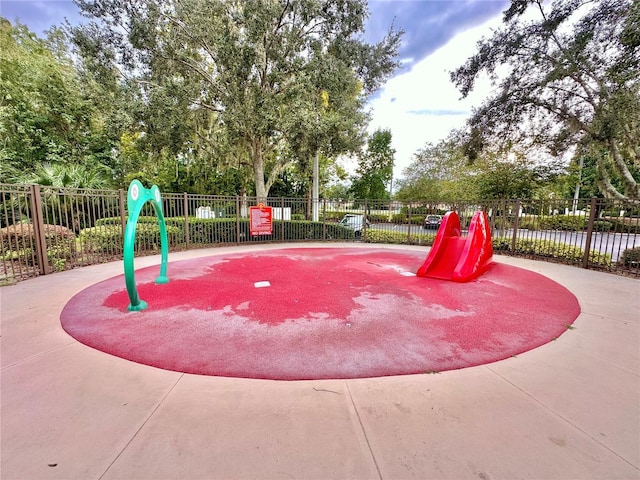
(46, 229)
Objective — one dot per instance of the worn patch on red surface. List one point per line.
(314, 313)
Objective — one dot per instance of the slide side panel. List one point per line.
(477, 254)
(449, 228)
(456, 258)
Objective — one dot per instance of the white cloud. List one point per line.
(423, 105)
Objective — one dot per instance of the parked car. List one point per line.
(432, 221)
(355, 222)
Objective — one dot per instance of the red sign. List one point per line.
(260, 219)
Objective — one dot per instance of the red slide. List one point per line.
(453, 257)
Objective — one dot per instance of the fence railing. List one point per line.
(46, 229)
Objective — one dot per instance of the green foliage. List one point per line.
(550, 249)
(375, 167)
(46, 115)
(565, 74)
(602, 226)
(107, 236)
(269, 81)
(504, 180)
(110, 239)
(630, 257)
(441, 173)
(624, 225)
(437, 173)
(575, 223)
(386, 236)
(18, 243)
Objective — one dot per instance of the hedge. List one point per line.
(550, 249)
(60, 243)
(625, 225)
(107, 237)
(382, 236)
(630, 257)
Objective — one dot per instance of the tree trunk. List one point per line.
(604, 183)
(255, 146)
(631, 188)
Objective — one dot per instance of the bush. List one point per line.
(117, 220)
(18, 240)
(602, 226)
(528, 223)
(306, 230)
(329, 215)
(383, 236)
(207, 231)
(402, 218)
(573, 223)
(550, 249)
(624, 225)
(630, 257)
(109, 238)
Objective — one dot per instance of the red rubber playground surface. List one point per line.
(319, 313)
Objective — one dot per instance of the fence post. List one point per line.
(238, 220)
(409, 224)
(324, 219)
(366, 219)
(185, 205)
(516, 221)
(38, 230)
(282, 219)
(587, 245)
(123, 211)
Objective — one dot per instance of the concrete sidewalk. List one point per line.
(567, 410)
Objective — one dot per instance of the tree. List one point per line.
(503, 180)
(44, 114)
(441, 173)
(570, 75)
(375, 167)
(438, 173)
(260, 65)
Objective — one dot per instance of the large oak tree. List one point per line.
(262, 67)
(567, 76)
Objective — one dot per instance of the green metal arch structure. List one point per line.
(137, 196)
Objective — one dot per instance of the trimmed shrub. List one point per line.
(19, 239)
(109, 238)
(116, 220)
(602, 226)
(573, 223)
(624, 225)
(207, 231)
(329, 215)
(383, 236)
(402, 218)
(306, 230)
(630, 257)
(550, 249)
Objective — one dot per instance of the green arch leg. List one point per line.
(137, 196)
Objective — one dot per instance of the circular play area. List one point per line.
(319, 313)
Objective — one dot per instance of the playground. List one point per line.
(319, 313)
(564, 409)
(312, 314)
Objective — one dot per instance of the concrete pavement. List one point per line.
(567, 410)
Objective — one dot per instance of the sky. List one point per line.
(419, 104)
